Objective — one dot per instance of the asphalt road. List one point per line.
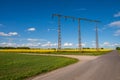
(106, 67)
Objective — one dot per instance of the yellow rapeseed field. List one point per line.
(48, 50)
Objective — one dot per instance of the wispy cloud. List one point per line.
(36, 40)
(31, 29)
(68, 44)
(16, 44)
(24, 42)
(12, 33)
(49, 44)
(31, 44)
(117, 33)
(115, 24)
(108, 44)
(3, 34)
(8, 34)
(32, 40)
(8, 44)
(117, 14)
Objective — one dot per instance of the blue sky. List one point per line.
(29, 22)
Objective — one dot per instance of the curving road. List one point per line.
(106, 67)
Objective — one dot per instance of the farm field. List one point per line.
(15, 66)
(91, 52)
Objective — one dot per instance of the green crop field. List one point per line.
(15, 66)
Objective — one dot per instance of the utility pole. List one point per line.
(96, 29)
(79, 36)
(59, 33)
(59, 30)
(97, 45)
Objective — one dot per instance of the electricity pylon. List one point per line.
(79, 29)
(59, 30)
(97, 45)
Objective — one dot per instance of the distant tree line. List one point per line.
(14, 48)
(117, 48)
(77, 48)
(91, 48)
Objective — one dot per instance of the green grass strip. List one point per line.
(86, 53)
(20, 66)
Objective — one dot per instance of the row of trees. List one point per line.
(40, 48)
(14, 48)
(117, 48)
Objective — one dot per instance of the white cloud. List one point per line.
(36, 40)
(106, 44)
(32, 40)
(83, 44)
(5, 44)
(8, 34)
(31, 45)
(117, 33)
(12, 33)
(115, 23)
(3, 34)
(46, 45)
(54, 44)
(93, 45)
(117, 45)
(49, 44)
(11, 44)
(68, 44)
(117, 14)
(110, 45)
(31, 29)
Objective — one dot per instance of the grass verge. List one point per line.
(119, 51)
(92, 53)
(20, 66)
